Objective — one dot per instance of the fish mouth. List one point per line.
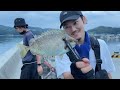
(70, 41)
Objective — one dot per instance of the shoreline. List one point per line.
(11, 35)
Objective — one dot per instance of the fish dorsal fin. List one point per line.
(35, 37)
(50, 32)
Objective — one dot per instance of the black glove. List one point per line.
(102, 74)
(77, 73)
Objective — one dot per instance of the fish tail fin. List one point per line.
(23, 49)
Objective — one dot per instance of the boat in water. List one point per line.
(116, 55)
(11, 63)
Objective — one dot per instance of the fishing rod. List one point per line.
(45, 77)
(72, 50)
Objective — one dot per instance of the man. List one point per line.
(31, 63)
(73, 23)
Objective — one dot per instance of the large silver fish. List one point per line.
(49, 43)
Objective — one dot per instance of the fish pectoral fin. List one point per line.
(23, 50)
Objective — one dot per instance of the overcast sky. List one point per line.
(50, 19)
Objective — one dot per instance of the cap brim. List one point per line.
(20, 25)
(75, 17)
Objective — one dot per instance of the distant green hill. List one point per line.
(104, 30)
(5, 30)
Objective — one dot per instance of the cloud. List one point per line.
(44, 19)
(102, 18)
(50, 19)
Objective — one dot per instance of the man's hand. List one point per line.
(84, 65)
(82, 69)
(40, 69)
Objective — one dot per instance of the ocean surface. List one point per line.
(7, 42)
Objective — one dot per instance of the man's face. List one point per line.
(19, 29)
(75, 28)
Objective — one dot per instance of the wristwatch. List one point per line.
(39, 64)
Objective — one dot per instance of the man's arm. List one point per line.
(108, 64)
(39, 69)
(38, 57)
(109, 75)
